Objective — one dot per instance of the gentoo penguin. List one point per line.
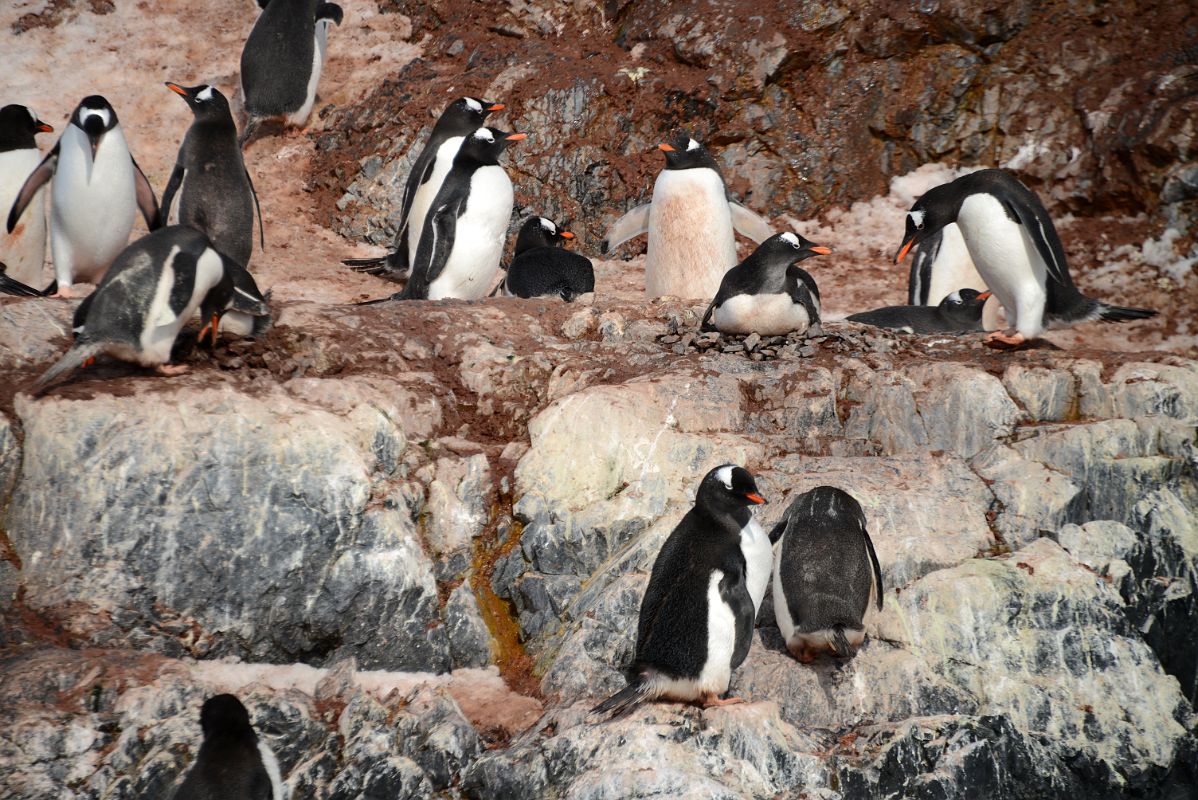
(24, 250)
(689, 221)
(233, 763)
(825, 569)
(696, 620)
(282, 60)
(95, 194)
(541, 266)
(958, 311)
(459, 119)
(217, 194)
(1015, 247)
(768, 293)
(940, 265)
(153, 289)
(464, 231)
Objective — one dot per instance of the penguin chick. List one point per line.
(767, 293)
(696, 618)
(154, 288)
(959, 311)
(541, 266)
(1016, 250)
(824, 571)
(233, 763)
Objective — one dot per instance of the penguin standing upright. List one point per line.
(216, 195)
(958, 312)
(1016, 249)
(541, 266)
(459, 119)
(95, 194)
(942, 265)
(690, 222)
(696, 618)
(153, 289)
(233, 763)
(768, 293)
(23, 251)
(464, 231)
(282, 61)
(824, 572)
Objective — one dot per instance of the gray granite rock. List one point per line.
(470, 642)
(1044, 394)
(1031, 499)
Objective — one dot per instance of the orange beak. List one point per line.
(902, 253)
(820, 250)
(515, 137)
(984, 295)
(177, 89)
(666, 147)
(44, 127)
(566, 235)
(755, 498)
(496, 107)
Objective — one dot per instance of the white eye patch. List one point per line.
(205, 95)
(955, 298)
(484, 134)
(724, 473)
(790, 239)
(473, 105)
(916, 217)
(692, 145)
(548, 225)
(32, 116)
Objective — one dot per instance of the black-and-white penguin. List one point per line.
(1016, 250)
(23, 251)
(216, 194)
(233, 763)
(459, 119)
(824, 573)
(542, 267)
(152, 290)
(941, 265)
(958, 312)
(464, 231)
(15, 288)
(96, 190)
(282, 61)
(696, 619)
(690, 223)
(768, 293)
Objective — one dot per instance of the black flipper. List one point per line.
(778, 530)
(433, 253)
(873, 560)
(919, 281)
(36, 180)
(172, 186)
(145, 198)
(735, 593)
(706, 325)
(258, 208)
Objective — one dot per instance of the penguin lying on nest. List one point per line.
(541, 266)
(958, 312)
(151, 291)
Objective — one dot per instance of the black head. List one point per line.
(95, 116)
(464, 115)
(930, 213)
(540, 232)
(205, 101)
(964, 306)
(18, 126)
(728, 488)
(790, 248)
(485, 145)
(826, 502)
(224, 715)
(330, 11)
(683, 152)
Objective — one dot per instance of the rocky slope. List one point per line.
(413, 537)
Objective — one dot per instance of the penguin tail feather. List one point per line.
(372, 266)
(68, 363)
(624, 700)
(16, 288)
(840, 642)
(1108, 313)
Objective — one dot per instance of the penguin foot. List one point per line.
(63, 293)
(170, 369)
(1004, 340)
(712, 699)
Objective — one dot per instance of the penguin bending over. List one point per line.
(824, 572)
(768, 293)
(1016, 250)
(942, 265)
(282, 61)
(95, 194)
(24, 250)
(459, 119)
(958, 312)
(696, 618)
(153, 289)
(690, 222)
(233, 763)
(216, 195)
(541, 266)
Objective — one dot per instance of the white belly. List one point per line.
(318, 53)
(427, 192)
(953, 270)
(721, 642)
(23, 250)
(162, 326)
(759, 557)
(1007, 260)
(271, 765)
(691, 244)
(478, 238)
(786, 625)
(93, 206)
(766, 314)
